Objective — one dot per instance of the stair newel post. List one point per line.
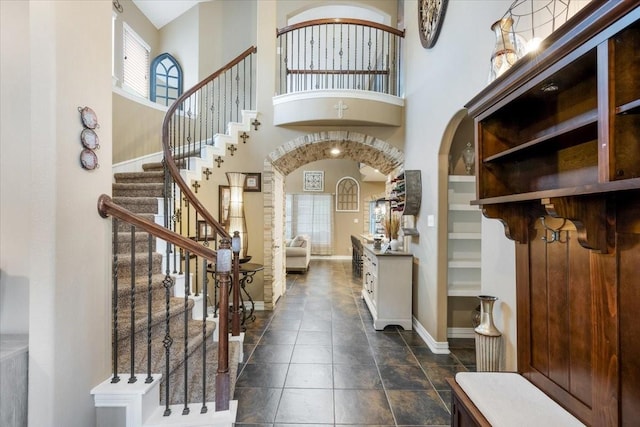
(114, 304)
(132, 377)
(223, 269)
(235, 285)
(185, 358)
(149, 378)
(204, 336)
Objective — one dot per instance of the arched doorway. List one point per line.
(293, 154)
(459, 235)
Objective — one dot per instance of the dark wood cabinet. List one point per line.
(558, 163)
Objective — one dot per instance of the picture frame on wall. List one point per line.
(253, 182)
(313, 181)
(224, 199)
(204, 231)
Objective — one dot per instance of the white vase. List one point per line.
(395, 244)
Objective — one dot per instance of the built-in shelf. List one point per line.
(581, 128)
(581, 190)
(632, 107)
(464, 236)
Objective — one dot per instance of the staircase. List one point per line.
(169, 359)
(140, 192)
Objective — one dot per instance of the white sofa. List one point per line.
(298, 253)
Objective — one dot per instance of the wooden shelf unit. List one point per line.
(558, 138)
(464, 238)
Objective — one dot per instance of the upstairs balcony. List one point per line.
(339, 71)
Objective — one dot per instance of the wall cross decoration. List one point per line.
(341, 106)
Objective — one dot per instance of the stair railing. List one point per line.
(141, 328)
(339, 53)
(192, 124)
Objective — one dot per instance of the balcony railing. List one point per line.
(339, 54)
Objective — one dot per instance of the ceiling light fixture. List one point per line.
(335, 151)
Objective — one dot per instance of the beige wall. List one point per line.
(137, 129)
(64, 246)
(345, 223)
(438, 84)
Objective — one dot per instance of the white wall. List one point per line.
(438, 82)
(53, 240)
(14, 172)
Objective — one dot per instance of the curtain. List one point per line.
(311, 214)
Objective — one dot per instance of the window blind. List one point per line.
(135, 75)
(311, 214)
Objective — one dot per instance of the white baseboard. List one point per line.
(435, 346)
(461, 333)
(331, 257)
(135, 165)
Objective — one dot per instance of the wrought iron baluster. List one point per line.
(167, 341)
(132, 376)
(149, 286)
(114, 304)
(204, 336)
(185, 359)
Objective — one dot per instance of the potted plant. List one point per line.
(392, 227)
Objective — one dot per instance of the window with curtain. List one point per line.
(347, 195)
(135, 74)
(311, 214)
(166, 79)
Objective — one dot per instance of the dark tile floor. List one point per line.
(316, 360)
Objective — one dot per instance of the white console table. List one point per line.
(387, 287)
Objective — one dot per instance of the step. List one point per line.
(141, 290)
(141, 242)
(141, 264)
(136, 189)
(148, 205)
(140, 177)
(125, 226)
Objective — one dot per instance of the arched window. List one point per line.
(347, 195)
(166, 79)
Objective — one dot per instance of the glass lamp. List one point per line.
(236, 219)
(468, 157)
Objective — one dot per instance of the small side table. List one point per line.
(247, 272)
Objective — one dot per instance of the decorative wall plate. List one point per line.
(89, 118)
(430, 18)
(90, 139)
(88, 159)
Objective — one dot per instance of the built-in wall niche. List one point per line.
(463, 135)
(463, 269)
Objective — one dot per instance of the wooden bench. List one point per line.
(503, 399)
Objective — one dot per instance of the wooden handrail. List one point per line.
(348, 21)
(106, 208)
(169, 160)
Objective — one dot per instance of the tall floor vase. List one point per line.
(488, 338)
(237, 221)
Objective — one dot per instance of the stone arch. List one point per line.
(305, 149)
(354, 146)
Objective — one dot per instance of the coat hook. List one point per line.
(118, 6)
(555, 233)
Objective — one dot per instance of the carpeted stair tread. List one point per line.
(158, 315)
(125, 226)
(194, 344)
(136, 189)
(138, 204)
(158, 291)
(141, 264)
(140, 177)
(195, 374)
(141, 242)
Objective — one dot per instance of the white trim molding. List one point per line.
(435, 346)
